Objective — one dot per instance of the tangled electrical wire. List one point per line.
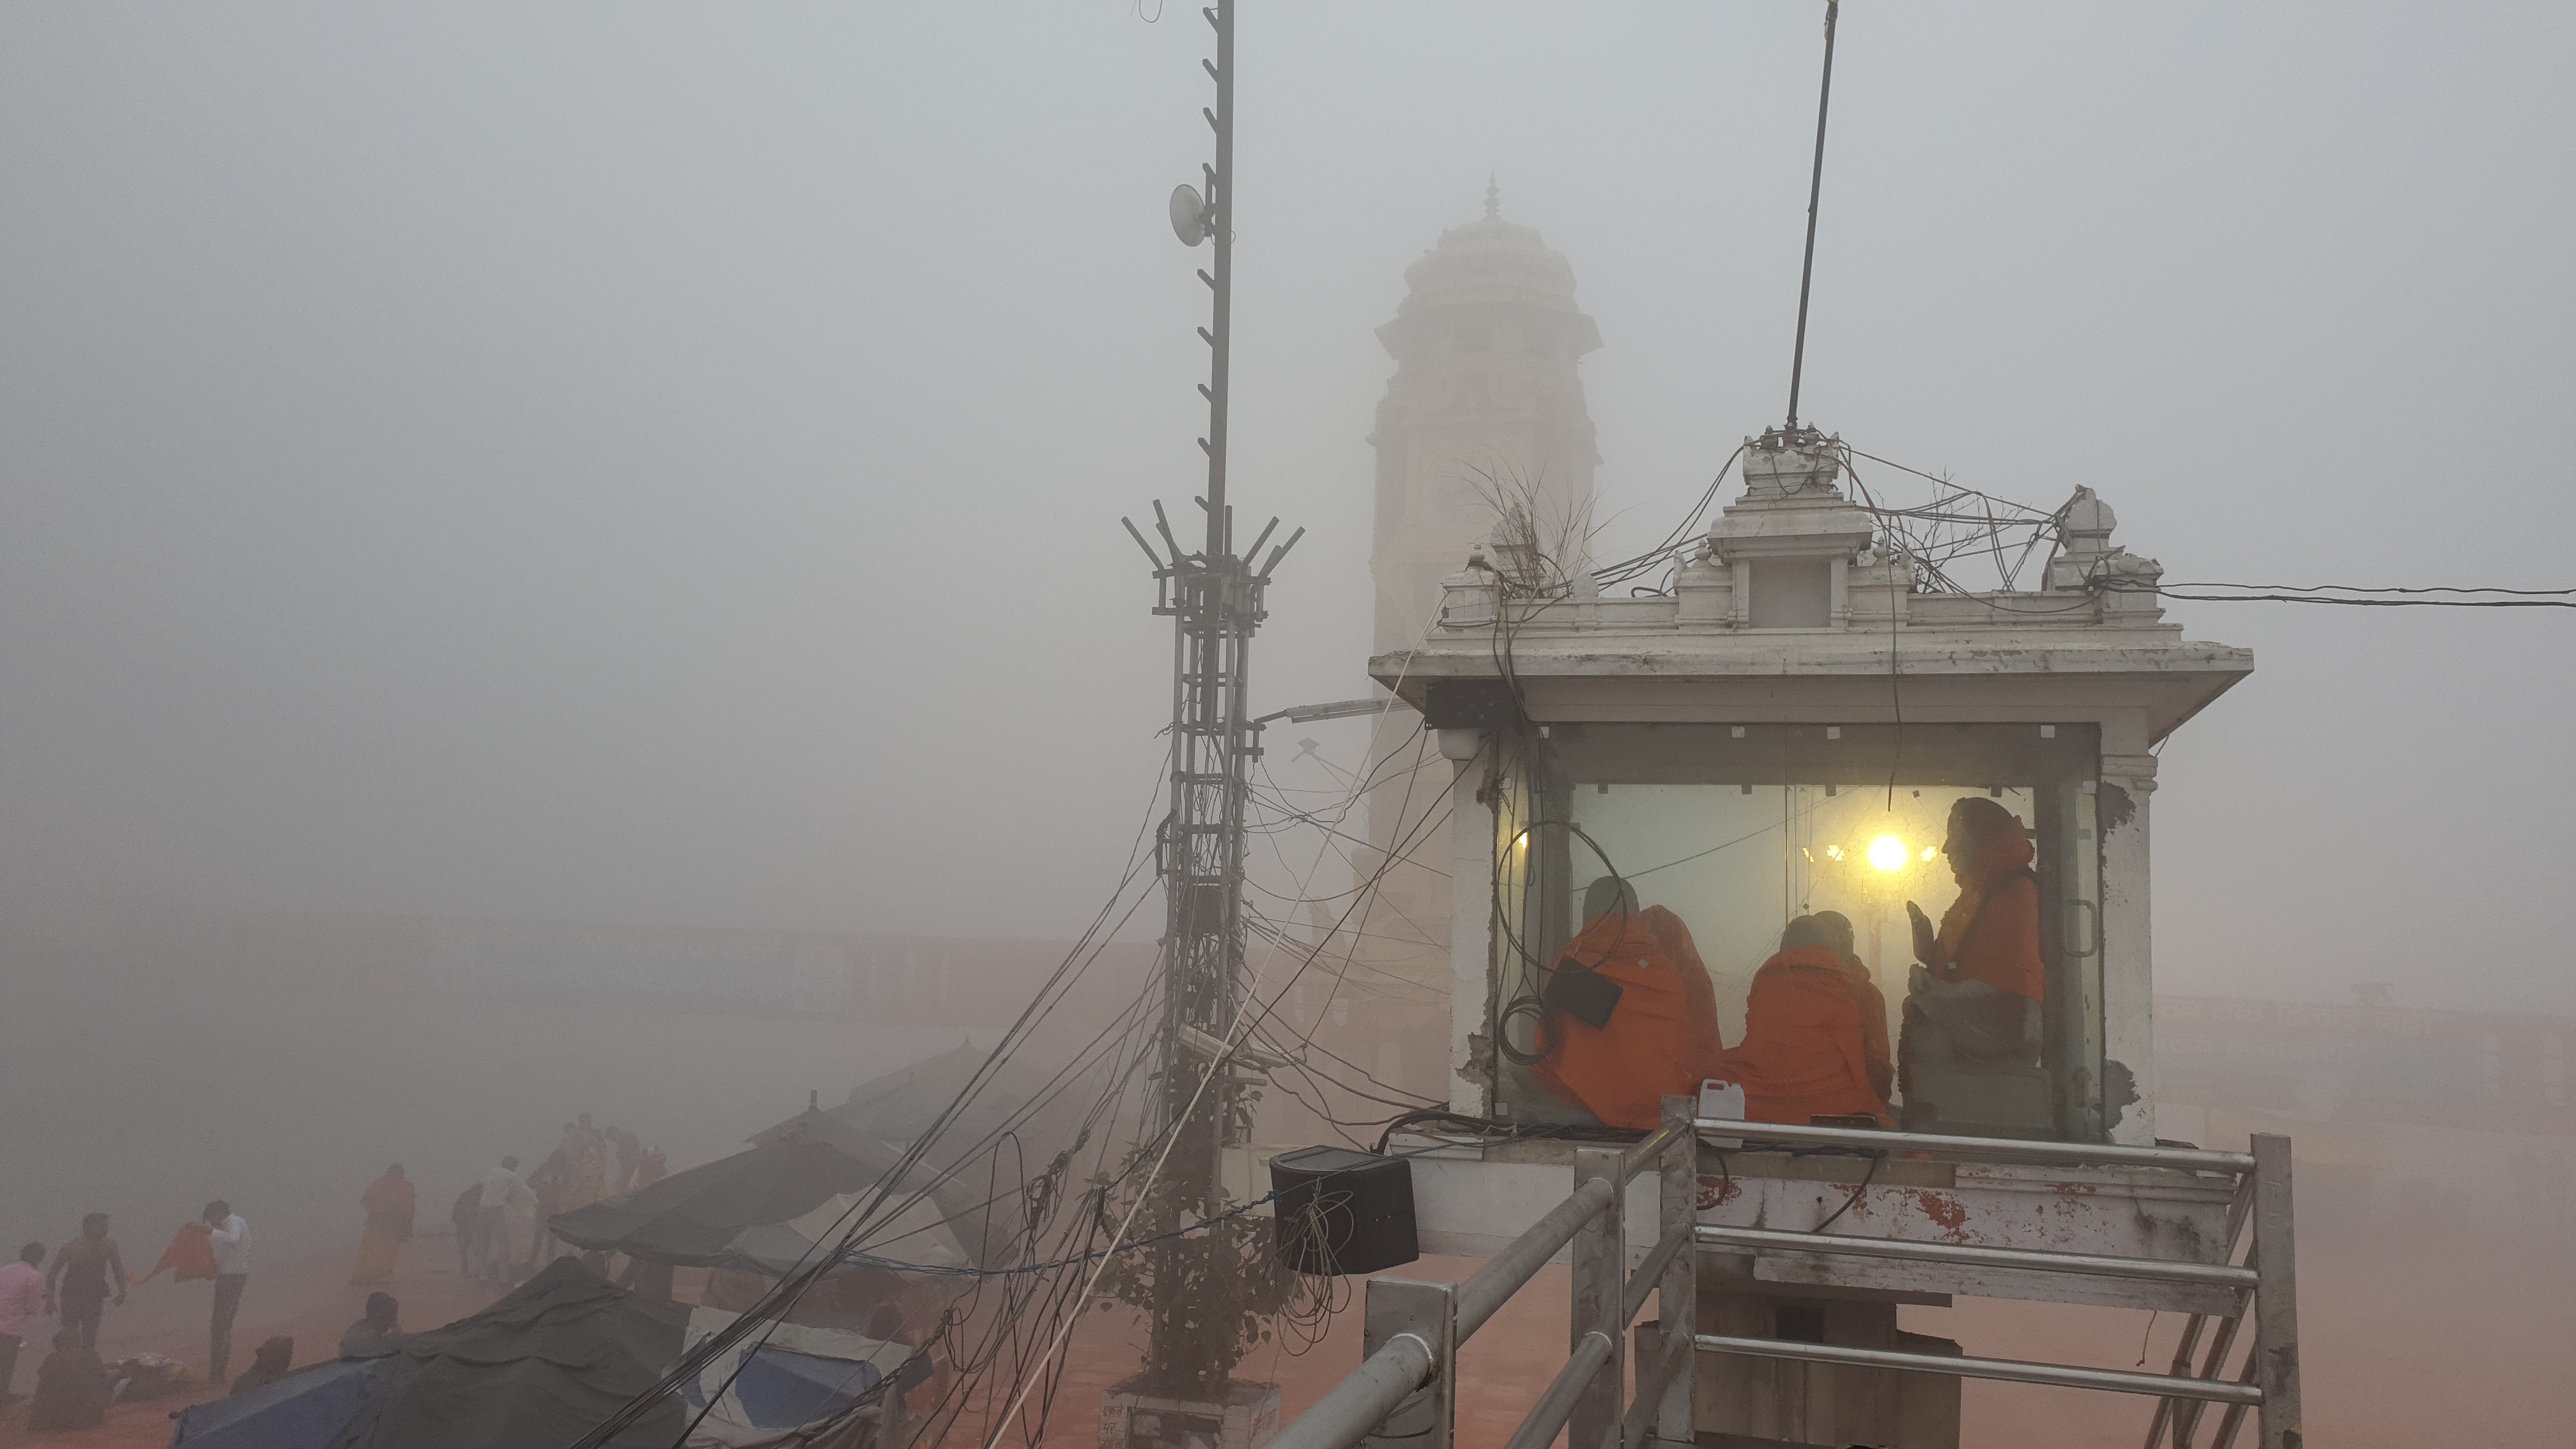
(1935, 539)
(2349, 595)
(1118, 1047)
(1532, 1001)
(1681, 538)
(1000, 1338)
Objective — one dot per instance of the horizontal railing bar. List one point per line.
(2088, 1265)
(1503, 1274)
(1651, 1383)
(1651, 1272)
(2118, 1381)
(1345, 1415)
(1547, 1417)
(1642, 1155)
(2000, 1149)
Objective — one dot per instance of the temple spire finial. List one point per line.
(1493, 198)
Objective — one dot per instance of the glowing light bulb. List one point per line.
(1887, 853)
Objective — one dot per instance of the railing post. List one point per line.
(1429, 1311)
(2276, 1295)
(1600, 1253)
(1677, 1296)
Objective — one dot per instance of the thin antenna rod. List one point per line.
(1220, 208)
(1815, 190)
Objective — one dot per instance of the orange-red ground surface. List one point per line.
(2410, 1340)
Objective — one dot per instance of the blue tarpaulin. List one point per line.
(301, 1411)
(781, 1389)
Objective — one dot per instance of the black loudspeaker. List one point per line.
(1340, 1211)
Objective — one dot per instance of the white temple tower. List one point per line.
(1486, 401)
(1485, 393)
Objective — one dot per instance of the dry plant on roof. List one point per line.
(1542, 544)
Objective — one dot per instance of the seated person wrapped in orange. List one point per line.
(1815, 1031)
(1631, 1016)
(1974, 998)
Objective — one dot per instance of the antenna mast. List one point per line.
(1214, 597)
(1815, 190)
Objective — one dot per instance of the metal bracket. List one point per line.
(1427, 1313)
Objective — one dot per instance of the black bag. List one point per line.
(1587, 996)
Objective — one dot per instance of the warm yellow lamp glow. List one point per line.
(1930, 851)
(1887, 853)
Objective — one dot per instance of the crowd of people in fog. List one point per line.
(498, 1221)
(77, 1285)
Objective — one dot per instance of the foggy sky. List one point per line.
(660, 463)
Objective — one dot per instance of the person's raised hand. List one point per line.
(1927, 941)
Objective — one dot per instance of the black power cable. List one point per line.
(2549, 598)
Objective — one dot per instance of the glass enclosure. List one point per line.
(1737, 829)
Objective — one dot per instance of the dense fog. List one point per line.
(659, 466)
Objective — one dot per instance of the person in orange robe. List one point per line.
(1806, 1051)
(390, 1204)
(1655, 1033)
(1972, 996)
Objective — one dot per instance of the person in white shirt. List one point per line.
(230, 1237)
(22, 1297)
(502, 1186)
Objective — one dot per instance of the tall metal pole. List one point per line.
(1815, 191)
(1220, 220)
(1219, 607)
(1214, 597)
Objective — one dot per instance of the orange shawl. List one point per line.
(190, 1256)
(1661, 1039)
(1991, 932)
(1806, 1052)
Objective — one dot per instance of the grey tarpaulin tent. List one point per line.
(772, 1209)
(546, 1364)
(543, 1366)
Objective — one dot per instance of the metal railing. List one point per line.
(2264, 1285)
(1405, 1391)
(1403, 1395)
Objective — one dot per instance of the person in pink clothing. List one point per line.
(22, 1296)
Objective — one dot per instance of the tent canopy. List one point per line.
(787, 1377)
(694, 1218)
(300, 1411)
(903, 1104)
(766, 1209)
(544, 1366)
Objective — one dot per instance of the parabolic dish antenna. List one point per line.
(1189, 215)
